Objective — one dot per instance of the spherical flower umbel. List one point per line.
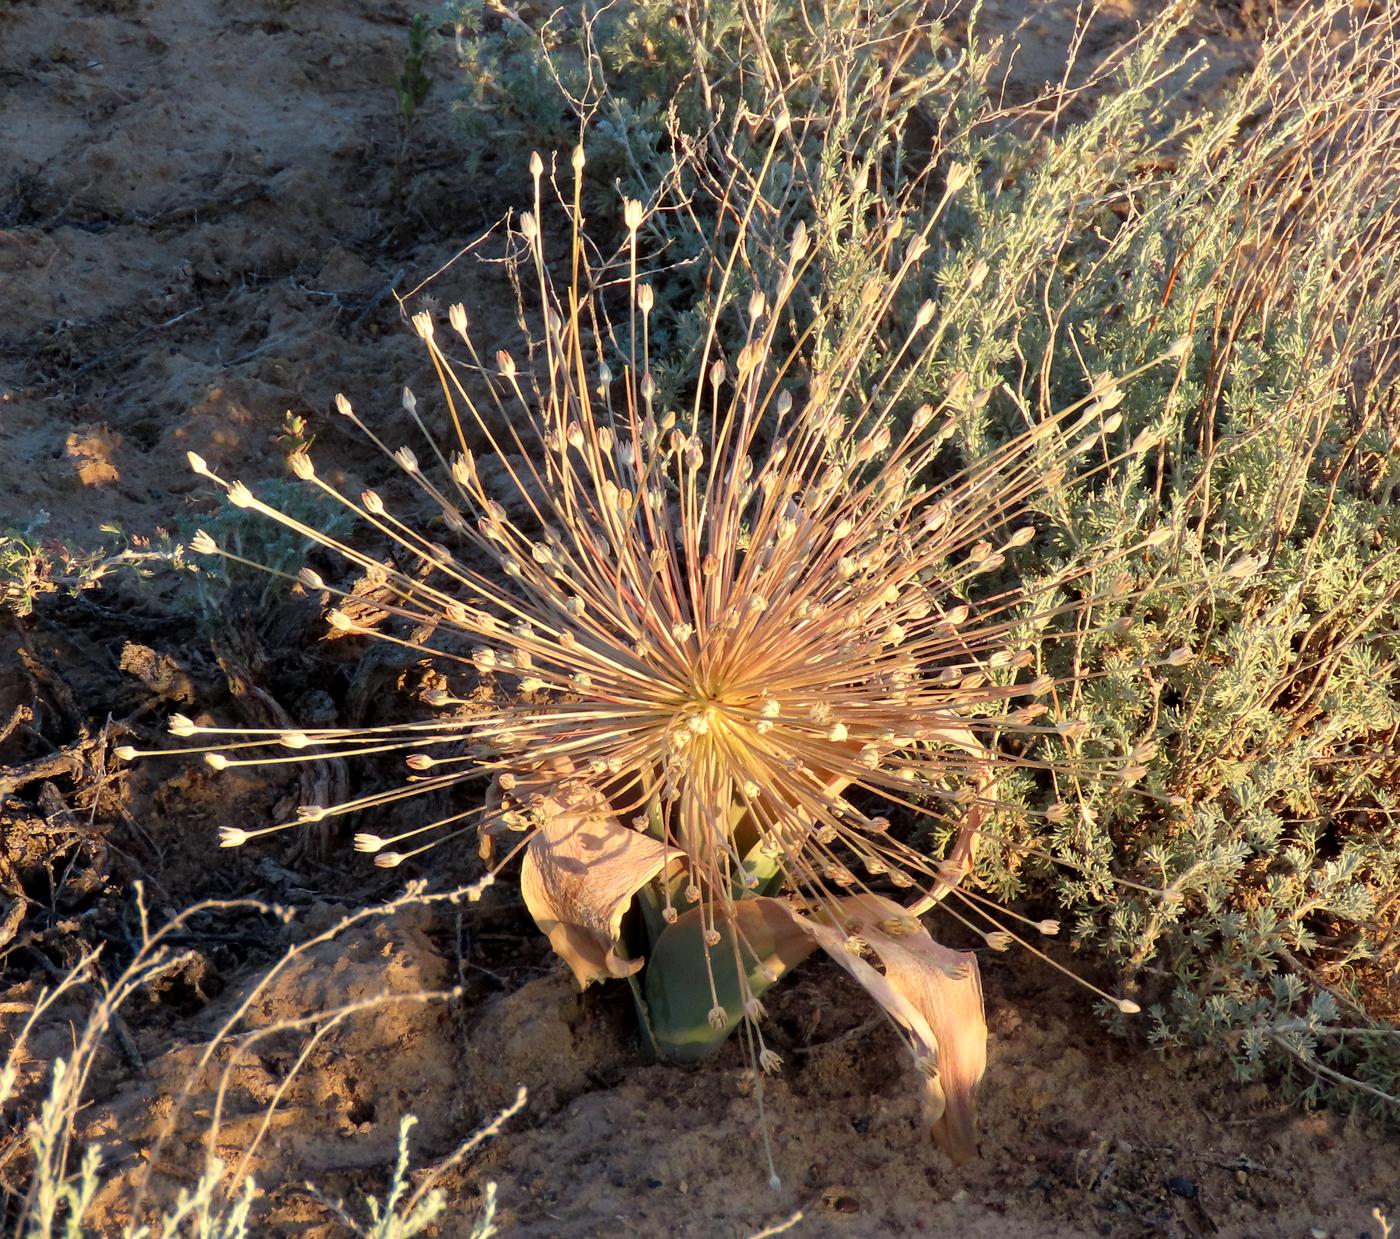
(716, 634)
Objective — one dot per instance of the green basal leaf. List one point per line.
(762, 872)
(678, 988)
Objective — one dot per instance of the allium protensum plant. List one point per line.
(719, 641)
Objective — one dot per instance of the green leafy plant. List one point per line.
(32, 566)
(257, 555)
(413, 85)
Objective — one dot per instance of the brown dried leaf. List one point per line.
(581, 870)
(933, 993)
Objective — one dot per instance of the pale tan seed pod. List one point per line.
(957, 177)
(798, 246)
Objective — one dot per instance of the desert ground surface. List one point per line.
(208, 214)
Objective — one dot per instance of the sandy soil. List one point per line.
(205, 211)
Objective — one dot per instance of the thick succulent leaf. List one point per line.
(581, 870)
(770, 942)
(933, 993)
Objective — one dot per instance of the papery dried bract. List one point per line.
(932, 992)
(581, 870)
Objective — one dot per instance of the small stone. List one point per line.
(1184, 1188)
(840, 1200)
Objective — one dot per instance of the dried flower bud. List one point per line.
(958, 176)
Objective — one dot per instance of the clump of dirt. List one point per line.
(91, 451)
(336, 1111)
(547, 1038)
(206, 216)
